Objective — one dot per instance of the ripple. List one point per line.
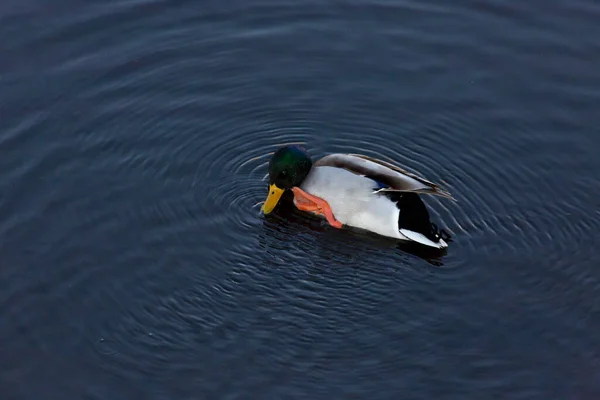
(136, 143)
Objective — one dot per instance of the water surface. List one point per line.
(134, 263)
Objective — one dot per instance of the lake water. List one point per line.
(134, 263)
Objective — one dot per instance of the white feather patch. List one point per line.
(420, 238)
(354, 202)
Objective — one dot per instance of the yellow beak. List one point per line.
(272, 199)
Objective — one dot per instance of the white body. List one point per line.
(354, 203)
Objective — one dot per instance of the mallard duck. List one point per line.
(357, 191)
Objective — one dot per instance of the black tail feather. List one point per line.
(415, 217)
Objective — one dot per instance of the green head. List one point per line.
(288, 168)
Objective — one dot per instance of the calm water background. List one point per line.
(133, 263)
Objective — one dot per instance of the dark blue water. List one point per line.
(134, 263)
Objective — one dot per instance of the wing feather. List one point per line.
(395, 178)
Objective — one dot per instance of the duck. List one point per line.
(358, 191)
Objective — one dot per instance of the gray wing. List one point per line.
(397, 179)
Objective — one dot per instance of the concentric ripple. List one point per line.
(135, 140)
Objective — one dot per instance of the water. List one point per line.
(134, 262)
